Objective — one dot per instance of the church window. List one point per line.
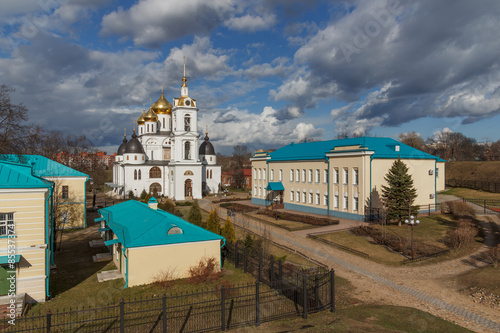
(210, 158)
(187, 123)
(155, 188)
(135, 174)
(135, 157)
(163, 122)
(141, 130)
(207, 173)
(210, 174)
(148, 127)
(154, 172)
(127, 158)
(139, 174)
(188, 173)
(187, 150)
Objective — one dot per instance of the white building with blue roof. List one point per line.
(340, 178)
(25, 233)
(146, 241)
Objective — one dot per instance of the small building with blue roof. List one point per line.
(25, 233)
(340, 178)
(69, 192)
(147, 242)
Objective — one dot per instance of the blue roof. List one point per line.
(13, 175)
(43, 166)
(381, 148)
(275, 186)
(135, 225)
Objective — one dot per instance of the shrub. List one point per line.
(493, 255)
(167, 205)
(130, 194)
(143, 194)
(165, 278)
(228, 231)
(464, 233)
(194, 215)
(213, 222)
(206, 270)
(461, 209)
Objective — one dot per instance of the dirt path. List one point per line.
(428, 288)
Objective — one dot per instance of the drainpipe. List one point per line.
(52, 224)
(126, 268)
(328, 187)
(371, 159)
(224, 244)
(51, 191)
(85, 203)
(435, 184)
(267, 177)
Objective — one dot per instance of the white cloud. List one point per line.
(251, 23)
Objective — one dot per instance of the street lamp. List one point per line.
(412, 222)
(276, 200)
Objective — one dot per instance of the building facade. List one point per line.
(232, 177)
(340, 178)
(164, 156)
(25, 233)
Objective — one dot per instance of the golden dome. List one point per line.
(140, 120)
(162, 106)
(150, 115)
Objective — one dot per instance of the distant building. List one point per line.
(491, 156)
(340, 178)
(25, 223)
(90, 161)
(229, 177)
(146, 241)
(69, 192)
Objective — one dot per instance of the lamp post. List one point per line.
(276, 199)
(412, 222)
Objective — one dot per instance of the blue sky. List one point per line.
(264, 72)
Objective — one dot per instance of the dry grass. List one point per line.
(487, 278)
(472, 194)
(473, 170)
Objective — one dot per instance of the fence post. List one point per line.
(122, 316)
(271, 271)
(429, 209)
(316, 292)
(236, 254)
(164, 305)
(223, 308)
(484, 206)
(332, 290)
(245, 259)
(280, 276)
(49, 320)
(260, 266)
(257, 304)
(304, 291)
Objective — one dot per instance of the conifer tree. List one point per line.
(228, 231)
(213, 222)
(194, 215)
(399, 194)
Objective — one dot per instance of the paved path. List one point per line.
(325, 255)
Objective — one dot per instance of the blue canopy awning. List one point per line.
(99, 219)
(111, 242)
(275, 186)
(5, 259)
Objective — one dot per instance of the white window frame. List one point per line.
(291, 175)
(281, 175)
(259, 173)
(325, 199)
(355, 204)
(298, 196)
(297, 175)
(336, 175)
(303, 175)
(325, 176)
(317, 198)
(346, 202)
(255, 174)
(304, 197)
(310, 178)
(264, 174)
(346, 176)
(272, 175)
(311, 198)
(317, 176)
(355, 176)
(6, 221)
(336, 200)
(291, 195)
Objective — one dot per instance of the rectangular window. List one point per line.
(355, 203)
(263, 174)
(298, 196)
(291, 195)
(272, 175)
(310, 197)
(346, 176)
(325, 176)
(258, 173)
(6, 220)
(346, 202)
(255, 174)
(260, 191)
(336, 201)
(304, 197)
(303, 175)
(437, 172)
(336, 175)
(254, 191)
(298, 175)
(291, 175)
(317, 199)
(355, 177)
(281, 175)
(325, 200)
(310, 179)
(65, 191)
(317, 175)
(64, 217)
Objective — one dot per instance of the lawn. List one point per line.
(487, 278)
(471, 194)
(291, 225)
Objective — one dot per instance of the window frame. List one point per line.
(6, 220)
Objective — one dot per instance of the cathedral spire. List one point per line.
(184, 87)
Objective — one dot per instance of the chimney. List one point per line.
(153, 203)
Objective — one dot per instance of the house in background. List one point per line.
(25, 202)
(146, 241)
(70, 189)
(230, 178)
(340, 178)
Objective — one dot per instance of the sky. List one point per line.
(265, 73)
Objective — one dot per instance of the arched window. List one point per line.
(135, 157)
(207, 174)
(139, 174)
(188, 173)
(210, 174)
(155, 188)
(154, 172)
(187, 123)
(135, 174)
(163, 122)
(174, 231)
(187, 150)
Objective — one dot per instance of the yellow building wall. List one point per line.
(146, 263)
(440, 178)
(74, 204)
(259, 184)
(28, 207)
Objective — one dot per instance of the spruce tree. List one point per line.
(213, 222)
(399, 194)
(228, 231)
(194, 215)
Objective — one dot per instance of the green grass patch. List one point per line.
(471, 194)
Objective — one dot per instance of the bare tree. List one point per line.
(412, 139)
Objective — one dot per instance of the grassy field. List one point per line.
(474, 170)
(471, 194)
(487, 278)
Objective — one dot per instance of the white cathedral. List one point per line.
(163, 156)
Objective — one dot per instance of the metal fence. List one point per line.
(377, 215)
(279, 292)
(474, 184)
(483, 206)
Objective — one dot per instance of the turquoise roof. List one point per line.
(43, 166)
(135, 225)
(275, 186)
(13, 175)
(381, 147)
